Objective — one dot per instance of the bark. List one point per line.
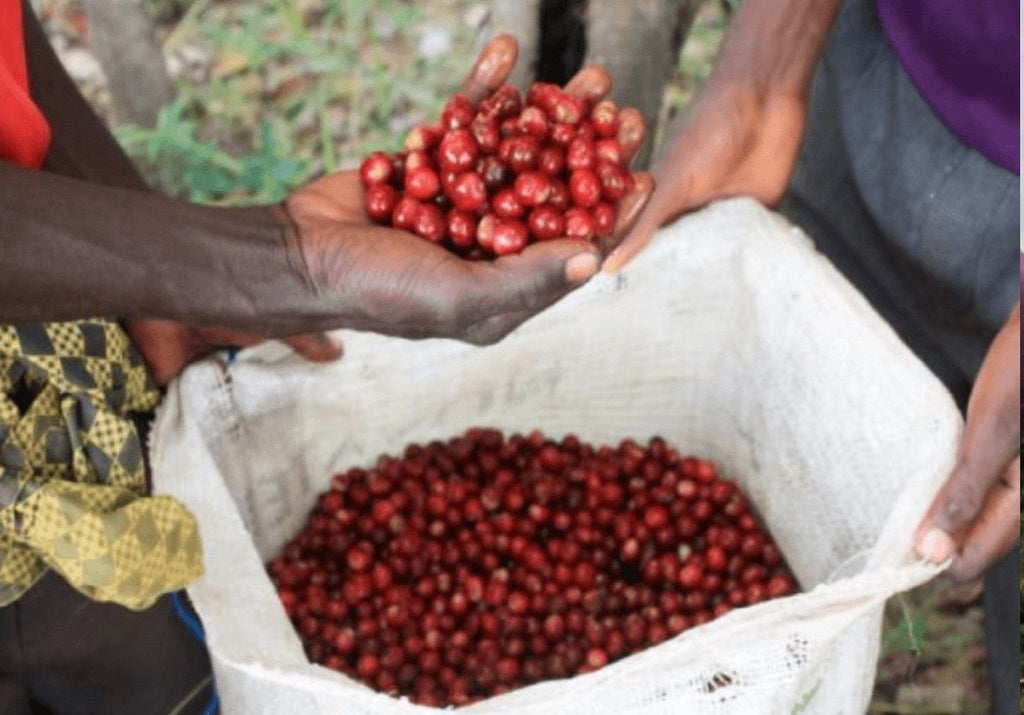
(123, 41)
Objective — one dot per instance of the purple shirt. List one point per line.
(964, 58)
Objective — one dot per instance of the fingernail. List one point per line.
(936, 546)
(581, 267)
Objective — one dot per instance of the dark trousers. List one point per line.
(928, 231)
(65, 654)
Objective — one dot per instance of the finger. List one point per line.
(631, 132)
(315, 347)
(995, 531)
(641, 234)
(630, 209)
(591, 83)
(492, 67)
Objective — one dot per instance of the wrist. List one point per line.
(773, 46)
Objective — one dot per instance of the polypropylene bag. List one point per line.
(729, 336)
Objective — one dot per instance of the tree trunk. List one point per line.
(124, 43)
(639, 44)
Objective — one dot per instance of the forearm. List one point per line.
(70, 248)
(82, 146)
(773, 46)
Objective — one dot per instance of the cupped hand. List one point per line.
(391, 282)
(395, 283)
(734, 142)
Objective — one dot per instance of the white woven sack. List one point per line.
(729, 336)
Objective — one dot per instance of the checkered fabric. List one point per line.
(72, 473)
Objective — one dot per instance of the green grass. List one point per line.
(291, 94)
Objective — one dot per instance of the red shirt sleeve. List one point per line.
(24, 132)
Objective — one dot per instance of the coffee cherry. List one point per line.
(509, 237)
(504, 103)
(423, 138)
(487, 135)
(604, 117)
(534, 122)
(532, 188)
(568, 108)
(546, 223)
(457, 114)
(506, 204)
(485, 231)
(493, 171)
(579, 224)
(562, 134)
(458, 151)
(515, 578)
(461, 227)
(559, 196)
(543, 95)
(522, 153)
(381, 200)
(468, 191)
(430, 223)
(422, 183)
(615, 182)
(376, 169)
(608, 150)
(406, 213)
(584, 188)
(580, 154)
(604, 219)
(417, 160)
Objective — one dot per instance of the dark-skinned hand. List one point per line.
(391, 282)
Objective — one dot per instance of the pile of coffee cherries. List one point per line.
(467, 568)
(486, 181)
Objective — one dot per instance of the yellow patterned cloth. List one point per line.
(72, 473)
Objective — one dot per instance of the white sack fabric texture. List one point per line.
(729, 336)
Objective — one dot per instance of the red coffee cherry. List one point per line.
(430, 224)
(422, 183)
(468, 191)
(406, 213)
(532, 188)
(381, 200)
(584, 188)
(580, 224)
(376, 169)
(509, 237)
(458, 151)
(546, 223)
